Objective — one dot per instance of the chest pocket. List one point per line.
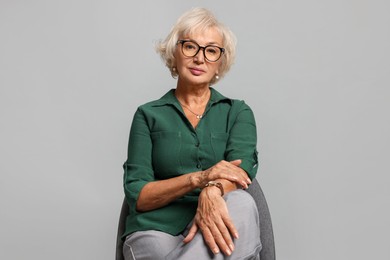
(218, 143)
(166, 153)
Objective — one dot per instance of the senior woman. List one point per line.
(190, 155)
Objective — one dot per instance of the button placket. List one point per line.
(197, 144)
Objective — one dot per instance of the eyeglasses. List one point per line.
(190, 49)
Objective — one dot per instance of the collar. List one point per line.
(170, 99)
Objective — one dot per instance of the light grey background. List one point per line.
(316, 74)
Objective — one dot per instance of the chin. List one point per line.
(197, 80)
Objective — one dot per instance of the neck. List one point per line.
(193, 95)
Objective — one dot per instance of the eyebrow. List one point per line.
(209, 43)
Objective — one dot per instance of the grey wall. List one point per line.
(316, 74)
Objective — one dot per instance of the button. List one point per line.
(198, 166)
(197, 145)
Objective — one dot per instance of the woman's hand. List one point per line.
(213, 220)
(224, 170)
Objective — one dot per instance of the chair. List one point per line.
(266, 231)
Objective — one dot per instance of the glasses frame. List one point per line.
(199, 48)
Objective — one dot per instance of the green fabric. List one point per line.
(163, 144)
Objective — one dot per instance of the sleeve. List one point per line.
(138, 170)
(243, 140)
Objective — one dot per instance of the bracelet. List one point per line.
(216, 184)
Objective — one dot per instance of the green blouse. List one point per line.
(163, 144)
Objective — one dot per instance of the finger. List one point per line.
(209, 239)
(244, 176)
(230, 171)
(222, 238)
(231, 177)
(191, 234)
(227, 238)
(236, 162)
(230, 226)
(239, 176)
(234, 175)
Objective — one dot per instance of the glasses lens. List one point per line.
(212, 53)
(190, 48)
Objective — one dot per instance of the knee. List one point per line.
(245, 216)
(242, 207)
(240, 200)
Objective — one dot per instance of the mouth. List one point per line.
(196, 71)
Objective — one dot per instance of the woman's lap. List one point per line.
(148, 245)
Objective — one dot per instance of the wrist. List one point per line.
(197, 180)
(228, 186)
(216, 185)
(210, 193)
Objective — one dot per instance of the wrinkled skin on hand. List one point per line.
(227, 171)
(213, 220)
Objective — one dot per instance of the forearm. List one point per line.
(157, 194)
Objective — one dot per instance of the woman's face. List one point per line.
(198, 70)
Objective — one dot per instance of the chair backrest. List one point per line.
(121, 230)
(266, 231)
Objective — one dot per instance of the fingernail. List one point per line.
(231, 247)
(216, 251)
(228, 252)
(249, 180)
(236, 235)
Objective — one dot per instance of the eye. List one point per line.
(212, 50)
(190, 46)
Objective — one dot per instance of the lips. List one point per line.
(196, 71)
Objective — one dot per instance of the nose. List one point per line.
(199, 57)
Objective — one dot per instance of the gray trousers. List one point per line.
(155, 245)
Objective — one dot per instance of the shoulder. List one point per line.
(241, 111)
(236, 104)
(167, 99)
(240, 104)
